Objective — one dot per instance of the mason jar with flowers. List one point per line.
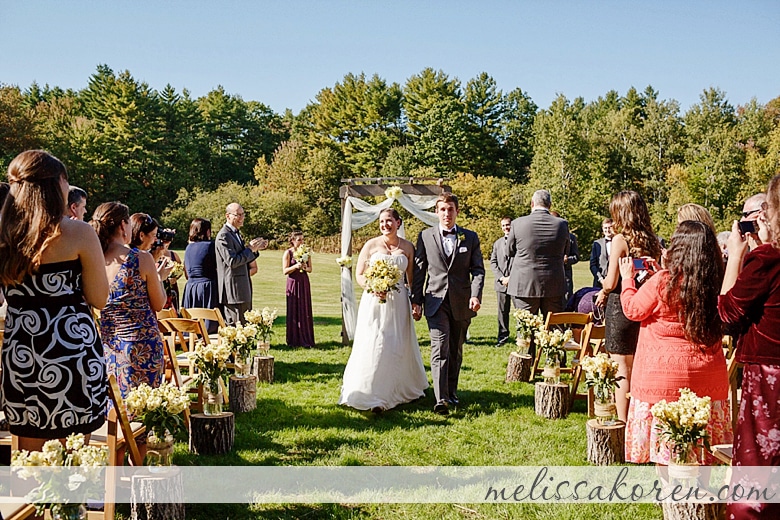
(64, 494)
(551, 345)
(682, 424)
(241, 340)
(264, 321)
(161, 410)
(527, 325)
(210, 361)
(601, 375)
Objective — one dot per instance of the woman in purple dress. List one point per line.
(300, 322)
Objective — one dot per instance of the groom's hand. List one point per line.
(474, 304)
(416, 312)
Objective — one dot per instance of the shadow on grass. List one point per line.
(291, 372)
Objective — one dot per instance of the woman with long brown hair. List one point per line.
(679, 339)
(634, 238)
(51, 270)
(300, 319)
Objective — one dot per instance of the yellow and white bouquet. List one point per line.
(240, 339)
(393, 192)
(177, 271)
(344, 261)
(160, 409)
(210, 360)
(60, 487)
(302, 254)
(601, 375)
(382, 277)
(683, 423)
(264, 320)
(552, 342)
(527, 323)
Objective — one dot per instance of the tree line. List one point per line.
(176, 157)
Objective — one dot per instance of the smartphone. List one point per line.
(747, 226)
(640, 264)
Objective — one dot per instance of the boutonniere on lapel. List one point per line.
(461, 236)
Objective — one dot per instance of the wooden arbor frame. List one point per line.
(375, 187)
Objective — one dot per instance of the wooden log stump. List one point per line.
(263, 368)
(693, 510)
(551, 401)
(606, 443)
(157, 496)
(212, 434)
(518, 368)
(243, 393)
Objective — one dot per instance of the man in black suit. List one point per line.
(599, 253)
(500, 264)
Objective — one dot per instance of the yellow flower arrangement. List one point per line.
(527, 323)
(344, 261)
(601, 374)
(302, 254)
(382, 277)
(211, 361)
(393, 192)
(683, 423)
(159, 408)
(264, 320)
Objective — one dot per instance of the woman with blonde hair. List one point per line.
(635, 238)
(698, 213)
(51, 271)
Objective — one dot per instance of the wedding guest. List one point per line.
(698, 213)
(599, 252)
(751, 296)
(200, 268)
(128, 324)
(750, 212)
(500, 264)
(51, 270)
(143, 231)
(300, 320)
(723, 240)
(172, 282)
(635, 238)
(77, 203)
(678, 311)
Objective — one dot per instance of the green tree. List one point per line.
(517, 135)
(17, 126)
(485, 112)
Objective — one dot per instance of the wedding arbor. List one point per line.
(416, 195)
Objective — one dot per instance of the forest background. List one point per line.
(177, 158)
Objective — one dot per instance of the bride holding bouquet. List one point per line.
(385, 368)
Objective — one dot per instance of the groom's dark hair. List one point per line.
(447, 197)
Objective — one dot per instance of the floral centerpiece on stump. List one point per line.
(210, 361)
(264, 321)
(160, 409)
(683, 424)
(527, 325)
(551, 344)
(241, 340)
(382, 277)
(86, 482)
(601, 375)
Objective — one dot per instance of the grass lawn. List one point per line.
(297, 421)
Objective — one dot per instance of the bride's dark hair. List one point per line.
(393, 213)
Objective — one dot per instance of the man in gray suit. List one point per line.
(234, 257)
(538, 242)
(599, 253)
(448, 279)
(500, 264)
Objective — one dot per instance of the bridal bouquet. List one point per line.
(683, 423)
(344, 261)
(56, 489)
(382, 277)
(302, 254)
(160, 409)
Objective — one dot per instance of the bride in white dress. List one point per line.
(385, 368)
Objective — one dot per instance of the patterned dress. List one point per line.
(131, 339)
(54, 377)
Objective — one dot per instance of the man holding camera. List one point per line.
(234, 259)
(747, 224)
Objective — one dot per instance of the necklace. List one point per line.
(390, 247)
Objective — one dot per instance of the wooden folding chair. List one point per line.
(200, 313)
(591, 344)
(570, 320)
(173, 375)
(11, 508)
(166, 313)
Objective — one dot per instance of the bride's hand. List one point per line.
(381, 295)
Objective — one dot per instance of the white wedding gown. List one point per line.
(385, 368)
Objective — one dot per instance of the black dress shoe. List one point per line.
(441, 408)
(377, 410)
(454, 400)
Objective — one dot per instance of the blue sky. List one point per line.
(282, 53)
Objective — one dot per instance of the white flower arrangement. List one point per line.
(302, 254)
(527, 323)
(344, 261)
(160, 409)
(264, 320)
(683, 423)
(87, 481)
(240, 339)
(393, 192)
(601, 374)
(382, 277)
(210, 359)
(552, 342)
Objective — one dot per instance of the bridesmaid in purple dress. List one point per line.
(300, 322)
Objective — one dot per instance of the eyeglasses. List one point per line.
(237, 214)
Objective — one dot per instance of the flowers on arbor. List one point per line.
(210, 359)
(56, 489)
(393, 192)
(382, 277)
(527, 324)
(683, 423)
(302, 254)
(344, 261)
(160, 409)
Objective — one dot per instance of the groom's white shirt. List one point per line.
(447, 241)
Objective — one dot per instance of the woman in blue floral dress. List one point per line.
(128, 324)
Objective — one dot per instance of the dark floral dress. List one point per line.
(131, 339)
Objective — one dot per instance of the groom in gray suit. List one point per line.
(234, 257)
(448, 278)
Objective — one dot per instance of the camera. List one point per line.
(747, 226)
(640, 264)
(163, 235)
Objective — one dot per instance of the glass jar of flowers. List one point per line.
(210, 361)
(264, 321)
(551, 344)
(683, 425)
(527, 325)
(161, 410)
(601, 376)
(241, 340)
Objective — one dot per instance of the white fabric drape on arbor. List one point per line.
(365, 214)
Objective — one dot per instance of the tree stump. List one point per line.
(212, 434)
(693, 510)
(243, 393)
(551, 401)
(518, 368)
(606, 443)
(263, 368)
(157, 496)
